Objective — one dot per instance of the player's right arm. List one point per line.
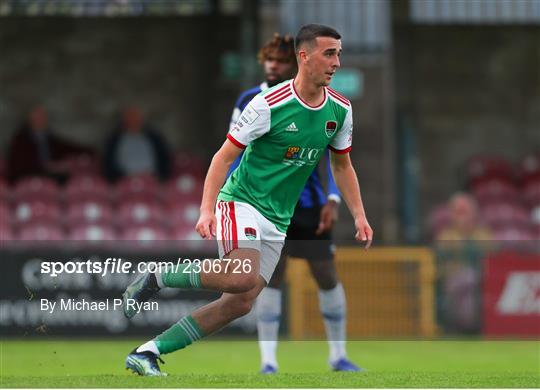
(253, 123)
(221, 162)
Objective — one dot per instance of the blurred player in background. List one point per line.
(251, 213)
(308, 235)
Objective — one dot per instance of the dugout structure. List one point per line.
(390, 293)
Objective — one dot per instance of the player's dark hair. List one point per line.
(283, 44)
(309, 32)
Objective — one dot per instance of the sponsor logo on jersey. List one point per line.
(249, 115)
(291, 127)
(251, 233)
(330, 128)
(299, 156)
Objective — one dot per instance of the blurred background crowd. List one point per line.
(112, 109)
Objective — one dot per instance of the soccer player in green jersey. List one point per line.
(284, 131)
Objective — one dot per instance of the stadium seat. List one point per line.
(514, 233)
(6, 234)
(531, 192)
(89, 213)
(41, 232)
(140, 213)
(494, 189)
(184, 214)
(87, 188)
(82, 164)
(36, 212)
(530, 167)
(185, 187)
(92, 232)
(36, 189)
(482, 167)
(185, 237)
(147, 236)
(504, 214)
(187, 162)
(4, 191)
(144, 188)
(5, 214)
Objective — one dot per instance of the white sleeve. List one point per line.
(343, 140)
(254, 122)
(234, 118)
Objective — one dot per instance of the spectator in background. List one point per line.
(464, 224)
(135, 148)
(36, 151)
(461, 247)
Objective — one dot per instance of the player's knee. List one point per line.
(239, 305)
(241, 283)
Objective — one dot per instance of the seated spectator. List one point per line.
(135, 148)
(461, 247)
(464, 221)
(36, 151)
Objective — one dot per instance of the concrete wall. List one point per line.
(84, 70)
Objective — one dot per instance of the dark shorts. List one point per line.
(302, 241)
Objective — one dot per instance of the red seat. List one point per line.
(482, 167)
(494, 189)
(94, 232)
(185, 237)
(514, 233)
(4, 191)
(145, 188)
(6, 234)
(41, 232)
(5, 214)
(185, 188)
(184, 214)
(36, 189)
(149, 236)
(186, 162)
(82, 164)
(530, 167)
(89, 213)
(36, 211)
(504, 214)
(531, 192)
(535, 215)
(140, 213)
(87, 188)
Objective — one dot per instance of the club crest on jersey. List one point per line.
(330, 128)
(251, 233)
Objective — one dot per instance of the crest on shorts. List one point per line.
(251, 233)
(330, 128)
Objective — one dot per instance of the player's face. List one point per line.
(322, 60)
(278, 68)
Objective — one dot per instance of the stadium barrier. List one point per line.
(390, 293)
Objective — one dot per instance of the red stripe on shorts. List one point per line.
(234, 227)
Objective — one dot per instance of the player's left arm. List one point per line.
(347, 182)
(346, 179)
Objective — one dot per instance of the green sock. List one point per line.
(178, 336)
(176, 277)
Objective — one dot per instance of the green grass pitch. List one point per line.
(218, 363)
